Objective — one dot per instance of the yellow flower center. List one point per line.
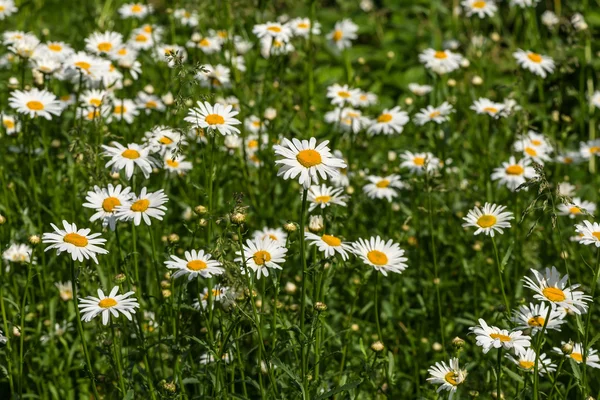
(478, 4)
(309, 158)
(148, 28)
(302, 25)
(486, 221)
(536, 142)
(501, 337)
(536, 58)
(536, 321)
(331, 240)
(151, 104)
(594, 149)
(490, 110)
(120, 110)
(322, 199)
(204, 42)
(377, 257)
(275, 29)
(214, 119)
(107, 303)
(136, 8)
(96, 102)
(196, 265)
(105, 46)
(75, 239)
(343, 94)
(55, 47)
(420, 161)
(256, 124)
(440, 55)
(451, 377)
(172, 163)
(8, 124)
(514, 170)
(122, 51)
(575, 210)
(530, 151)
(383, 183)
(83, 65)
(435, 114)
(35, 105)
(261, 257)
(141, 38)
(131, 154)
(337, 35)
(110, 203)
(554, 294)
(165, 140)
(215, 293)
(596, 235)
(140, 205)
(384, 118)
(93, 114)
(577, 357)
(253, 144)
(526, 364)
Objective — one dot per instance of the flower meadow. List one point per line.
(309, 199)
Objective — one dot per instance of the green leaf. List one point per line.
(575, 368)
(348, 386)
(514, 376)
(129, 395)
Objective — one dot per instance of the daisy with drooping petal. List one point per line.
(323, 196)
(486, 106)
(341, 95)
(196, 263)
(260, 255)
(17, 253)
(440, 62)
(144, 206)
(103, 43)
(550, 287)
(489, 337)
(128, 158)
(590, 233)
(389, 122)
(307, 160)
(134, 10)
(343, 33)
(480, 8)
(276, 234)
(488, 220)
(448, 376)
(534, 317)
(436, 114)
(420, 162)
(329, 245)
(576, 208)
(217, 117)
(538, 64)
(380, 187)
(113, 304)
(220, 294)
(591, 360)
(526, 362)
(35, 103)
(104, 201)
(381, 255)
(77, 242)
(513, 174)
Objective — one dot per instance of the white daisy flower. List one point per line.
(569, 157)
(77, 242)
(149, 103)
(341, 95)
(95, 98)
(10, 124)
(323, 196)
(380, 187)
(17, 253)
(525, 3)
(26, 46)
(144, 206)
(7, 8)
(576, 208)
(57, 50)
(348, 119)
(185, 17)
(196, 263)
(216, 77)
(591, 360)
(534, 317)
(389, 122)
(276, 234)
(273, 30)
(526, 362)
(208, 45)
(489, 337)
(513, 174)
(35, 103)
(253, 124)
(420, 162)
(550, 287)
(383, 256)
(270, 46)
(104, 201)
(164, 140)
(589, 149)
(565, 189)
(590, 232)
(103, 43)
(538, 64)
(170, 53)
(107, 305)
(123, 109)
(486, 106)
(177, 164)
(134, 10)
(480, 8)
(260, 255)
(128, 158)
(307, 160)
(440, 62)
(220, 294)
(448, 376)
(436, 114)
(419, 90)
(343, 33)
(488, 220)
(549, 18)
(329, 245)
(366, 99)
(65, 290)
(218, 117)
(141, 40)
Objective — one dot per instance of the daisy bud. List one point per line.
(436, 281)
(436, 346)
(127, 82)
(16, 331)
(567, 348)
(3, 221)
(200, 210)
(167, 98)
(165, 284)
(320, 307)
(477, 246)
(166, 293)
(392, 155)
(167, 275)
(495, 395)
(120, 278)
(173, 238)
(45, 31)
(355, 327)
(361, 60)
(313, 109)
(149, 89)
(263, 367)
(495, 36)
(350, 190)
(477, 80)
(377, 346)
(315, 224)
(258, 303)
(296, 107)
(290, 227)
(451, 82)
(413, 241)
(290, 288)
(395, 207)
(55, 143)
(275, 84)
(270, 113)
(458, 343)
(294, 307)
(196, 37)
(391, 54)
(474, 393)
(238, 218)
(202, 222)
(34, 239)
(13, 82)
(163, 238)
(252, 103)
(465, 63)
(408, 101)
(115, 175)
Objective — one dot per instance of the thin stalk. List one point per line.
(8, 341)
(117, 352)
(538, 349)
(499, 267)
(22, 325)
(499, 377)
(588, 324)
(303, 300)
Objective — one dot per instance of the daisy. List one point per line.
(486, 106)
(196, 263)
(569, 157)
(128, 158)
(142, 40)
(481, 8)
(172, 54)
(82, 64)
(123, 109)
(260, 255)
(342, 94)
(538, 64)
(9, 37)
(595, 99)
(217, 77)
(307, 160)
(17, 253)
(590, 232)
(134, 10)
(217, 117)
(219, 294)
(25, 46)
(149, 103)
(448, 376)
(105, 201)
(95, 98)
(389, 122)
(366, 99)
(144, 206)
(492, 336)
(186, 18)
(93, 113)
(436, 114)
(35, 103)
(253, 124)
(177, 164)
(77, 242)
(208, 45)
(513, 174)
(533, 139)
(526, 362)
(301, 27)
(107, 305)
(348, 119)
(273, 30)
(549, 18)
(440, 62)
(419, 90)
(420, 162)
(103, 43)
(45, 64)
(592, 358)
(65, 290)
(534, 317)
(535, 153)
(524, 3)
(329, 245)
(10, 124)
(489, 220)
(343, 33)
(576, 208)
(164, 140)
(272, 46)
(589, 149)
(383, 256)
(552, 288)
(57, 50)
(7, 8)
(323, 196)
(383, 187)
(276, 234)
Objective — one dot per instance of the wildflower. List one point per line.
(436, 114)
(448, 376)
(301, 27)
(77, 242)
(144, 206)
(65, 290)
(348, 119)
(383, 256)
(18, 253)
(549, 18)
(104, 201)
(550, 287)
(7, 8)
(576, 354)
(220, 294)
(534, 317)
(128, 158)
(323, 196)
(440, 62)
(103, 43)
(493, 337)
(419, 90)
(275, 234)
(343, 33)
(217, 117)
(589, 149)
(329, 244)
(526, 362)
(576, 208)
(177, 164)
(513, 174)
(480, 8)
(419, 162)
(389, 122)
(134, 10)
(196, 263)
(273, 30)
(341, 95)
(123, 109)
(486, 106)
(590, 232)
(107, 305)
(538, 64)
(383, 187)
(488, 220)
(261, 255)
(35, 103)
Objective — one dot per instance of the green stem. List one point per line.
(117, 352)
(303, 349)
(499, 377)
(500, 276)
(538, 349)
(588, 324)
(8, 340)
(22, 326)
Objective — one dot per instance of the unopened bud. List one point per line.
(120, 278)
(200, 210)
(567, 348)
(166, 293)
(238, 218)
(34, 239)
(315, 224)
(320, 306)
(458, 343)
(290, 227)
(377, 346)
